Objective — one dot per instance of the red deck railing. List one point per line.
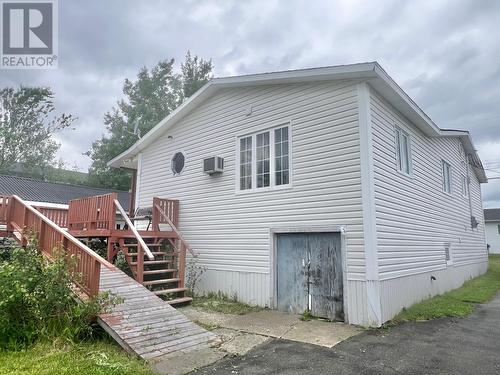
(165, 211)
(97, 212)
(84, 264)
(4, 209)
(57, 215)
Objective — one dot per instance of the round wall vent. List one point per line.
(177, 163)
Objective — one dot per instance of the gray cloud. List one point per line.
(443, 53)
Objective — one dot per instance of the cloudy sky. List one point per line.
(445, 54)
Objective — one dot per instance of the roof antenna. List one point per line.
(136, 132)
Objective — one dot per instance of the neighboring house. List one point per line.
(52, 194)
(492, 222)
(336, 193)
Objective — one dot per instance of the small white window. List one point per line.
(264, 159)
(465, 186)
(403, 151)
(446, 168)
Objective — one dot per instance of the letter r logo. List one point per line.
(27, 28)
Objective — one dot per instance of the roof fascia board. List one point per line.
(360, 71)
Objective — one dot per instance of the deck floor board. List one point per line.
(144, 324)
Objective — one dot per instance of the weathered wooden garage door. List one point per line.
(310, 264)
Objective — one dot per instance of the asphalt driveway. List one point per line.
(443, 346)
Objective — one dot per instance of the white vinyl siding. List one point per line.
(231, 231)
(414, 218)
(447, 177)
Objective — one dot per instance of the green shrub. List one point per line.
(37, 301)
(122, 264)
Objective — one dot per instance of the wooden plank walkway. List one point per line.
(144, 324)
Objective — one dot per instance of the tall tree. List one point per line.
(195, 73)
(151, 97)
(27, 126)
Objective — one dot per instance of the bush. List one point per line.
(37, 301)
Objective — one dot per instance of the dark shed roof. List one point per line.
(53, 192)
(492, 214)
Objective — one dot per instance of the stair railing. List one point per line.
(84, 264)
(141, 245)
(183, 245)
(176, 231)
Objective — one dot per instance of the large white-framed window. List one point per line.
(403, 151)
(264, 159)
(447, 176)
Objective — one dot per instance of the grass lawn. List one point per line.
(92, 358)
(223, 304)
(459, 302)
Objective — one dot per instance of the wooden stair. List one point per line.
(162, 276)
(142, 323)
(145, 325)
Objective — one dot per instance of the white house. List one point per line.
(492, 222)
(337, 193)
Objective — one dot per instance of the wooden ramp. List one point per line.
(144, 324)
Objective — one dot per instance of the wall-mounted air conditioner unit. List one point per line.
(213, 165)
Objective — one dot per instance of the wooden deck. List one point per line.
(144, 324)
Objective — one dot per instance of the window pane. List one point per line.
(446, 177)
(284, 148)
(285, 177)
(245, 163)
(277, 135)
(406, 154)
(284, 163)
(281, 156)
(277, 148)
(403, 151)
(284, 134)
(260, 180)
(263, 159)
(279, 181)
(278, 164)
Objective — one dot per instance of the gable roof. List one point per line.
(492, 214)
(370, 72)
(51, 192)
